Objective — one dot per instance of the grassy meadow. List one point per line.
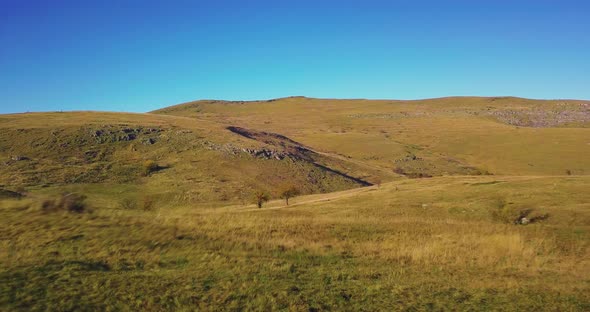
(404, 205)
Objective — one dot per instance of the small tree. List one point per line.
(289, 192)
(377, 182)
(261, 198)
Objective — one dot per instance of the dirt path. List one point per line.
(315, 198)
(398, 186)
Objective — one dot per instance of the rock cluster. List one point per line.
(539, 118)
(18, 158)
(265, 153)
(110, 134)
(262, 153)
(408, 157)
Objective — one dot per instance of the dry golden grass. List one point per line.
(447, 133)
(409, 244)
(442, 243)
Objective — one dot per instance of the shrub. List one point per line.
(48, 205)
(10, 194)
(70, 202)
(73, 202)
(148, 203)
(399, 170)
(127, 204)
(418, 175)
(568, 172)
(501, 211)
(150, 166)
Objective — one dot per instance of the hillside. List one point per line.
(463, 135)
(198, 160)
(474, 203)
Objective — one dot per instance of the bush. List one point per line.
(127, 204)
(21, 190)
(71, 202)
(148, 203)
(10, 194)
(411, 175)
(502, 212)
(399, 170)
(149, 167)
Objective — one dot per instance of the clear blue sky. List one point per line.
(141, 55)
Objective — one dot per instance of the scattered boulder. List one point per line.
(18, 158)
(128, 137)
(110, 134)
(148, 141)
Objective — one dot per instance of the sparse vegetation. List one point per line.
(361, 244)
(10, 194)
(377, 182)
(508, 213)
(127, 204)
(188, 238)
(69, 202)
(289, 192)
(148, 203)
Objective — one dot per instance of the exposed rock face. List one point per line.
(282, 147)
(542, 118)
(285, 147)
(267, 154)
(262, 153)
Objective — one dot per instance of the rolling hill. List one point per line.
(471, 202)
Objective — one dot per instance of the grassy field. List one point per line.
(413, 244)
(499, 221)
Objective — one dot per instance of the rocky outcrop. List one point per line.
(281, 147)
(109, 134)
(18, 158)
(543, 118)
